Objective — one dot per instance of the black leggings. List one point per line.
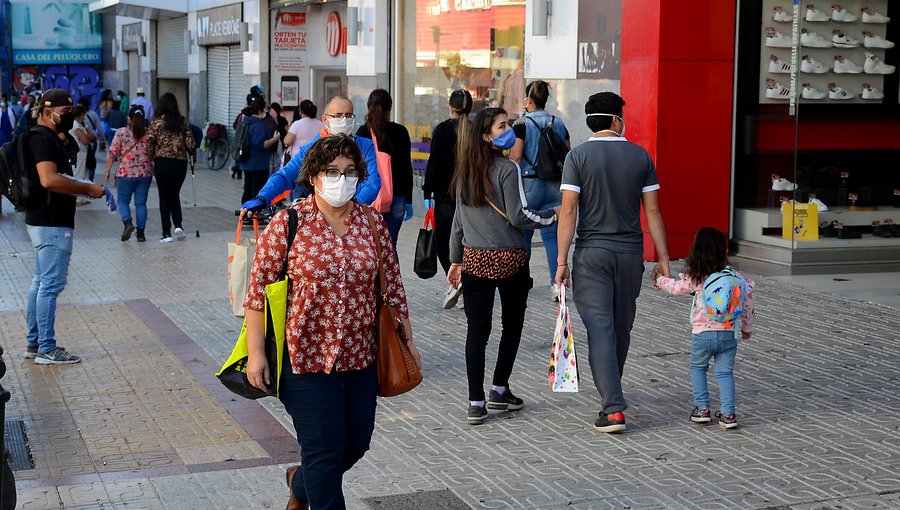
(479, 293)
(443, 221)
(170, 175)
(254, 180)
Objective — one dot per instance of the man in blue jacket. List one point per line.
(338, 119)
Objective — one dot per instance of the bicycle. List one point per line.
(217, 148)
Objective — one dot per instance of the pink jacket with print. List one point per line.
(699, 320)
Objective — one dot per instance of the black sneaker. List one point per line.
(700, 415)
(726, 421)
(140, 236)
(476, 415)
(505, 402)
(611, 423)
(126, 233)
(57, 356)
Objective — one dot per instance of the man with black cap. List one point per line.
(50, 219)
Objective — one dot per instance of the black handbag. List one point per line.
(425, 265)
(234, 376)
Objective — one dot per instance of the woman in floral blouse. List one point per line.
(129, 148)
(329, 381)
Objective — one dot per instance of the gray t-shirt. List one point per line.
(609, 174)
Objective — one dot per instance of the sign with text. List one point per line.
(221, 25)
(57, 32)
(288, 53)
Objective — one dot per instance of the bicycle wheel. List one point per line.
(217, 154)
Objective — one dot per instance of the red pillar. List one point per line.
(677, 82)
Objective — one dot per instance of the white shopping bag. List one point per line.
(563, 365)
(239, 269)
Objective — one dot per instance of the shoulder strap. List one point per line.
(496, 208)
(382, 284)
(292, 232)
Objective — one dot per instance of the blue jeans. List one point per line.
(334, 416)
(140, 188)
(394, 218)
(542, 195)
(52, 252)
(721, 345)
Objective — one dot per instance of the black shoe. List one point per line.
(700, 415)
(140, 236)
(476, 415)
(505, 402)
(126, 234)
(610, 423)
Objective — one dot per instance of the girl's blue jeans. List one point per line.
(721, 346)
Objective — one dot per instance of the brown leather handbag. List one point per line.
(397, 371)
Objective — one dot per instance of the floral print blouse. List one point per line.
(132, 156)
(331, 301)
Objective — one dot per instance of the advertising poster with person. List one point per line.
(599, 39)
(55, 32)
(290, 81)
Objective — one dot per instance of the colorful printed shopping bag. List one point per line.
(563, 365)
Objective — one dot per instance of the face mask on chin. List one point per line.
(338, 192)
(619, 133)
(340, 125)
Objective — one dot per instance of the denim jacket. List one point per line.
(533, 134)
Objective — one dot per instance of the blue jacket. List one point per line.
(259, 155)
(285, 179)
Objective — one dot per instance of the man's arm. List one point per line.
(650, 202)
(368, 190)
(53, 181)
(565, 232)
(284, 179)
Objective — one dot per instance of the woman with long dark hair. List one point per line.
(488, 254)
(439, 172)
(391, 139)
(169, 144)
(129, 148)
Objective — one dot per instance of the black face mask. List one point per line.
(66, 121)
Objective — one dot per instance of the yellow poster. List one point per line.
(800, 222)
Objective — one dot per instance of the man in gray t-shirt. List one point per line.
(605, 182)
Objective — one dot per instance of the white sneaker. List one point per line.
(815, 15)
(810, 92)
(451, 297)
(869, 92)
(775, 39)
(819, 204)
(778, 66)
(842, 15)
(840, 94)
(872, 17)
(844, 65)
(812, 40)
(166, 239)
(876, 41)
(554, 292)
(775, 90)
(782, 16)
(874, 65)
(810, 65)
(842, 40)
(782, 184)
(179, 234)
(786, 202)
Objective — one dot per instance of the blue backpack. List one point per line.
(723, 297)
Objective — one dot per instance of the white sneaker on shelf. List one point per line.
(810, 92)
(179, 234)
(778, 66)
(876, 41)
(775, 90)
(819, 204)
(842, 15)
(451, 297)
(843, 65)
(871, 17)
(870, 92)
(842, 40)
(816, 15)
(840, 94)
(782, 16)
(775, 39)
(810, 65)
(782, 184)
(874, 65)
(811, 40)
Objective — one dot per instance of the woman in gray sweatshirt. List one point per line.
(488, 253)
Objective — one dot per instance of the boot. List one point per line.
(293, 502)
(129, 228)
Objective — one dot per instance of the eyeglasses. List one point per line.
(332, 175)
(341, 116)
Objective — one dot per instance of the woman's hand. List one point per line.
(258, 371)
(454, 275)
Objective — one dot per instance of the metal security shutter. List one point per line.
(217, 85)
(237, 95)
(171, 60)
(134, 73)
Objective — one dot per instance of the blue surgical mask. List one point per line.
(506, 140)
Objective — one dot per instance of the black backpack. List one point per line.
(551, 154)
(241, 142)
(15, 183)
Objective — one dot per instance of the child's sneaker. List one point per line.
(700, 415)
(726, 421)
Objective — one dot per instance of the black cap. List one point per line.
(55, 97)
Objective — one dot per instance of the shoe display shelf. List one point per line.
(763, 225)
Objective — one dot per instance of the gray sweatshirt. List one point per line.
(484, 228)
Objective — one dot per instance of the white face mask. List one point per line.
(609, 130)
(338, 192)
(341, 125)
